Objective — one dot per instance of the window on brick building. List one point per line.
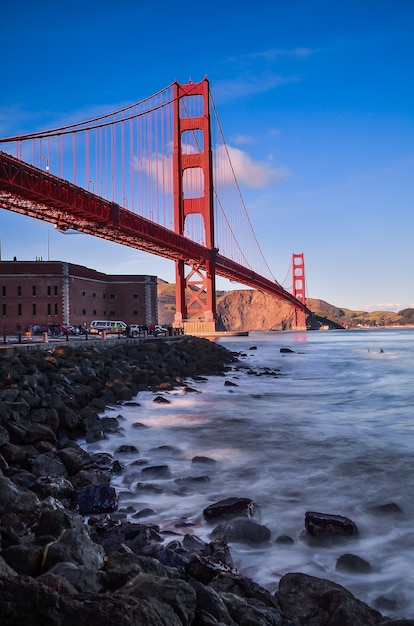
(112, 296)
(49, 290)
(19, 290)
(56, 309)
(84, 293)
(56, 290)
(4, 308)
(4, 290)
(49, 309)
(34, 309)
(135, 296)
(19, 309)
(33, 290)
(83, 311)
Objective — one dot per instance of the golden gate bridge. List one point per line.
(156, 176)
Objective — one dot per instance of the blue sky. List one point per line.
(317, 95)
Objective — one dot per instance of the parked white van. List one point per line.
(109, 326)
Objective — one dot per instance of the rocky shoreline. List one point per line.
(68, 555)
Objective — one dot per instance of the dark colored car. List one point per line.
(37, 329)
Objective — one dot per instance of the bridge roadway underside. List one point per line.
(30, 191)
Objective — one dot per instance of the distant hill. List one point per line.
(249, 310)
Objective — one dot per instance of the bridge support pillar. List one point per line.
(298, 275)
(193, 198)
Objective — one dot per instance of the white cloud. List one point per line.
(253, 174)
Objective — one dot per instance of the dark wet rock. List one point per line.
(190, 390)
(93, 427)
(54, 519)
(210, 607)
(315, 601)
(83, 579)
(110, 424)
(24, 558)
(21, 477)
(177, 594)
(74, 458)
(104, 460)
(122, 566)
(230, 508)
(56, 486)
(323, 526)
(113, 536)
(5, 569)
(286, 350)
(205, 569)
(20, 508)
(143, 513)
(14, 454)
(89, 477)
(149, 488)
(74, 545)
(100, 498)
(127, 449)
(285, 539)
(156, 471)
(47, 464)
(192, 481)
(243, 530)
(167, 450)
(234, 583)
(353, 563)
(193, 544)
(251, 611)
(161, 400)
(229, 383)
(31, 602)
(203, 460)
(389, 509)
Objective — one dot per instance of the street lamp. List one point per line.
(47, 163)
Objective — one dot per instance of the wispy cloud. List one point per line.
(277, 53)
(389, 306)
(248, 86)
(255, 174)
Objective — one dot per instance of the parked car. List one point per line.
(108, 326)
(37, 329)
(77, 330)
(160, 330)
(136, 330)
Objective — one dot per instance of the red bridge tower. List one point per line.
(193, 195)
(298, 276)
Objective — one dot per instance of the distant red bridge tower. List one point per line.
(298, 276)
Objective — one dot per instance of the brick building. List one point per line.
(56, 292)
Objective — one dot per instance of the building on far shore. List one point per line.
(56, 292)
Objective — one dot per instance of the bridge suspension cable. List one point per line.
(246, 238)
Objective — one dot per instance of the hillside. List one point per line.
(249, 310)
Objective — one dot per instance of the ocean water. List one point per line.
(328, 427)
